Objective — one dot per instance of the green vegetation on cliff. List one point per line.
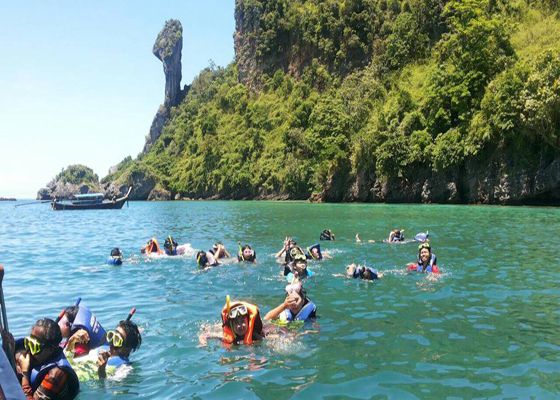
(365, 91)
(78, 175)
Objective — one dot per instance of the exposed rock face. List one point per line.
(76, 179)
(142, 184)
(494, 182)
(159, 194)
(167, 49)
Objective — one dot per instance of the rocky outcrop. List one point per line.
(142, 184)
(494, 182)
(168, 48)
(76, 179)
(159, 194)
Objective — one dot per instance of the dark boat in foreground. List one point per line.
(91, 201)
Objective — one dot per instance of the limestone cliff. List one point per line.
(168, 48)
(75, 179)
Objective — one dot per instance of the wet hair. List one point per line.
(116, 252)
(133, 337)
(246, 247)
(51, 331)
(201, 258)
(368, 275)
(71, 313)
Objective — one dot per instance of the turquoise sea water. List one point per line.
(488, 328)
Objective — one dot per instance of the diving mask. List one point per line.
(425, 246)
(33, 345)
(238, 311)
(116, 338)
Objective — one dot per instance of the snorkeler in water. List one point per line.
(297, 268)
(396, 236)
(426, 260)
(361, 271)
(241, 324)
(246, 254)
(206, 259)
(218, 250)
(295, 307)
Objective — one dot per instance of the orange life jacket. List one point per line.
(153, 247)
(255, 323)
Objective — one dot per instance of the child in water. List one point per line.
(241, 324)
(360, 271)
(296, 306)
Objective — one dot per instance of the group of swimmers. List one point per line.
(241, 320)
(57, 354)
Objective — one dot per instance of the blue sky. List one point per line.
(79, 83)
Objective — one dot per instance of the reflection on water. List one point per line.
(486, 328)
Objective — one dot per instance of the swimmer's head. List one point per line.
(368, 275)
(424, 252)
(201, 258)
(247, 251)
(300, 264)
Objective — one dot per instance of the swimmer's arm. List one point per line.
(255, 261)
(275, 313)
(226, 253)
(339, 275)
(210, 332)
(279, 254)
(81, 336)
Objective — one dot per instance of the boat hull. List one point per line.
(116, 205)
(106, 205)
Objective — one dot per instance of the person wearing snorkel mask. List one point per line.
(241, 324)
(362, 272)
(206, 259)
(299, 267)
(426, 260)
(219, 251)
(296, 306)
(116, 257)
(125, 339)
(289, 250)
(42, 367)
(246, 254)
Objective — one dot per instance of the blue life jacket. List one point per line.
(38, 374)
(421, 237)
(86, 320)
(359, 271)
(397, 237)
(307, 313)
(115, 361)
(114, 261)
(420, 267)
(309, 254)
(290, 276)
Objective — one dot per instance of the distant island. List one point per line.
(404, 101)
(7, 199)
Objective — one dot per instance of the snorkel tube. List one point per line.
(241, 251)
(57, 320)
(130, 315)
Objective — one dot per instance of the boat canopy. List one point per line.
(89, 196)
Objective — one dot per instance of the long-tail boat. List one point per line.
(91, 201)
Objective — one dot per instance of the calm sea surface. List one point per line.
(489, 328)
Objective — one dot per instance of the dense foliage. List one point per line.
(78, 175)
(375, 89)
